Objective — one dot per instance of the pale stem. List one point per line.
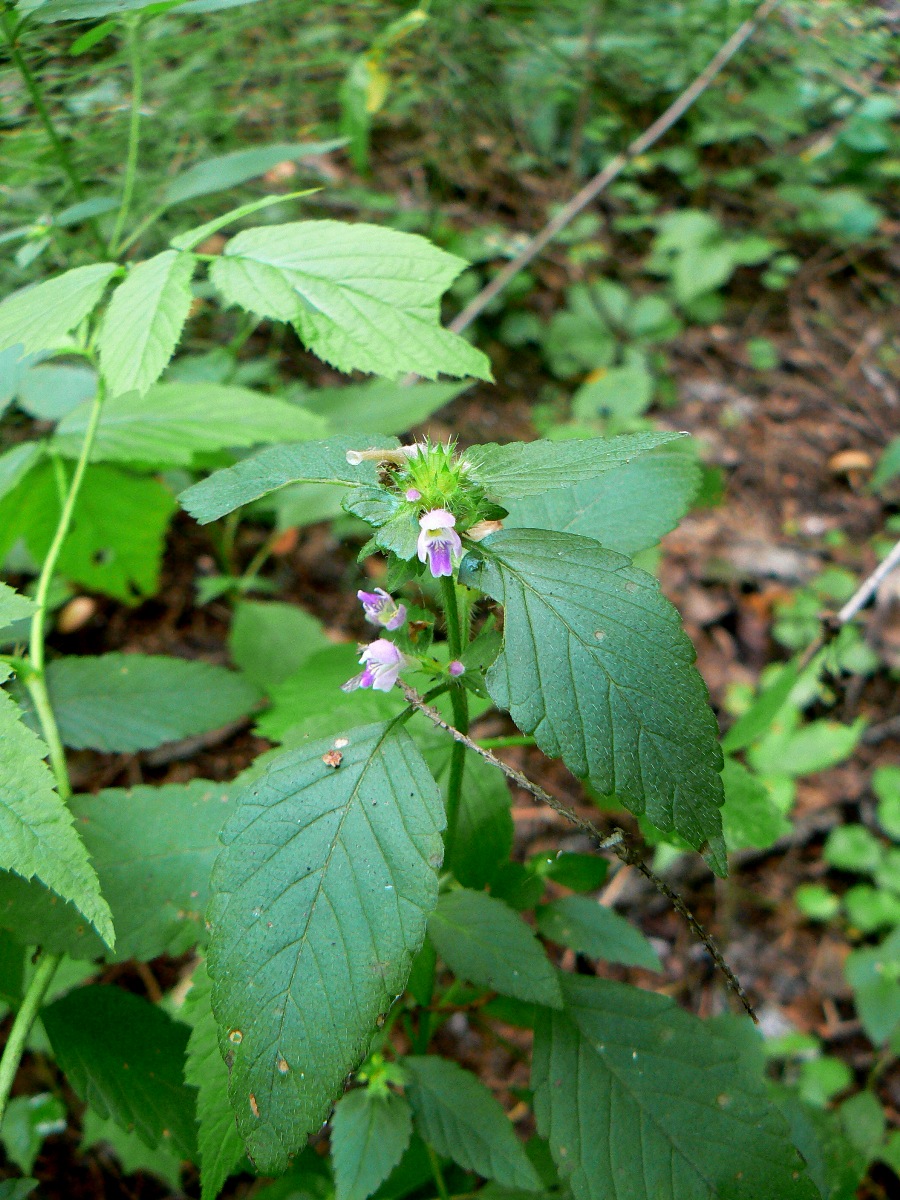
(134, 132)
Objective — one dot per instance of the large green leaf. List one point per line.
(592, 929)
(639, 1099)
(49, 391)
(125, 1057)
(221, 1149)
(595, 664)
(37, 832)
(275, 467)
(269, 641)
(361, 297)
(162, 1162)
(39, 317)
(237, 167)
(120, 703)
(144, 320)
(115, 543)
(173, 422)
(153, 849)
(488, 944)
(457, 1115)
(522, 469)
(13, 606)
(628, 509)
(369, 1134)
(379, 406)
(321, 896)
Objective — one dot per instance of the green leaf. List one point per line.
(221, 1149)
(239, 166)
(144, 320)
(132, 1154)
(270, 641)
(118, 528)
(39, 317)
(627, 509)
(153, 849)
(37, 834)
(321, 895)
(49, 391)
(275, 467)
(379, 406)
(639, 1099)
(369, 1135)
(192, 238)
(16, 463)
(174, 422)
(752, 724)
(597, 931)
(750, 817)
(361, 297)
(488, 944)
(484, 824)
(815, 746)
(595, 664)
(120, 703)
(833, 1162)
(522, 469)
(125, 1057)
(874, 974)
(457, 1115)
(17, 1189)
(621, 392)
(13, 607)
(26, 1122)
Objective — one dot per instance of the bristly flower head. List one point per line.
(439, 543)
(382, 662)
(382, 609)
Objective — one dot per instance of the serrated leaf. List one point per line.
(597, 931)
(13, 606)
(361, 297)
(457, 1115)
(39, 317)
(269, 641)
(221, 1149)
(522, 469)
(273, 468)
(125, 1057)
(120, 703)
(144, 320)
(369, 1135)
(628, 509)
(153, 849)
(174, 422)
(485, 942)
(37, 834)
(163, 1162)
(239, 166)
(118, 528)
(379, 406)
(595, 665)
(321, 895)
(639, 1099)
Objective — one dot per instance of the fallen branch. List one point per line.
(615, 841)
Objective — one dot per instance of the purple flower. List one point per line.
(456, 668)
(382, 663)
(439, 542)
(382, 609)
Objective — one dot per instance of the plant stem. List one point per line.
(10, 31)
(134, 131)
(498, 743)
(460, 702)
(438, 1174)
(18, 1035)
(37, 685)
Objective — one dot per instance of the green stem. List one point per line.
(134, 131)
(37, 685)
(460, 701)
(498, 743)
(18, 1035)
(10, 31)
(438, 1174)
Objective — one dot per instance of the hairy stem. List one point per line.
(460, 702)
(134, 131)
(18, 1035)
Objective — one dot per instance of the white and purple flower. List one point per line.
(439, 543)
(382, 609)
(382, 662)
